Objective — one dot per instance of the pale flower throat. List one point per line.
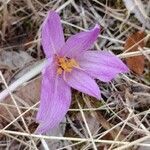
(65, 64)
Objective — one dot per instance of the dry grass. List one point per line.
(121, 119)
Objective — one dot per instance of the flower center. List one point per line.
(65, 64)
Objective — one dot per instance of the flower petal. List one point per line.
(52, 34)
(79, 80)
(80, 42)
(102, 65)
(55, 100)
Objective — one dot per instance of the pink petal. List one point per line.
(80, 42)
(55, 100)
(52, 34)
(79, 80)
(102, 65)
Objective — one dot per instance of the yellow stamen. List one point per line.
(65, 64)
(59, 71)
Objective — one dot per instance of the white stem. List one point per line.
(32, 73)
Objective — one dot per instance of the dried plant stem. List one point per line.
(118, 135)
(105, 124)
(133, 143)
(19, 111)
(131, 54)
(20, 116)
(87, 127)
(35, 71)
(29, 75)
(63, 6)
(118, 118)
(79, 139)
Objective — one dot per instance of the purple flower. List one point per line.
(70, 64)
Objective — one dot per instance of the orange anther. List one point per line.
(65, 64)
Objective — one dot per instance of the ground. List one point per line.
(120, 120)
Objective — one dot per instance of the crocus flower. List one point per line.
(70, 65)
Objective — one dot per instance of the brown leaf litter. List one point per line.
(132, 44)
